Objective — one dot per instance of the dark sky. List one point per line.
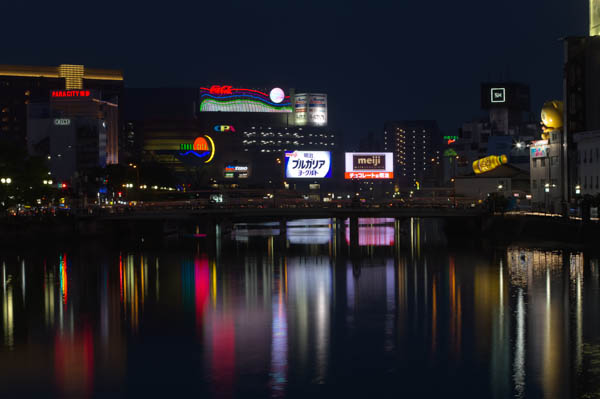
(377, 60)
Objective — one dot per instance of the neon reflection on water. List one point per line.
(279, 341)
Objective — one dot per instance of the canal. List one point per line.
(300, 310)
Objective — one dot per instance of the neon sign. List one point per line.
(70, 93)
(226, 98)
(224, 128)
(202, 147)
(451, 139)
(220, 90)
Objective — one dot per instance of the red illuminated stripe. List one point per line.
(369, 175)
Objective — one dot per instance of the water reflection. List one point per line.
(300, 313)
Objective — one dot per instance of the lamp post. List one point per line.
(547, 194)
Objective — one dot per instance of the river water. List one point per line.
(300, 310)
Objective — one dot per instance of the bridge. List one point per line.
(234, 214)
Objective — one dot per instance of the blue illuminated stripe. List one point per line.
(195, 153)
(249, 96)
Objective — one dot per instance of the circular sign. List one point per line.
(200, 144)
(277, 95)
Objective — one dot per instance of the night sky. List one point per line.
(376, 60)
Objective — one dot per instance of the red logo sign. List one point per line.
(214, 89)
(70, 93)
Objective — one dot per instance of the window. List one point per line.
(543, 162)
(585, 182)
(534, 184)
(554, 161)
(534, 162)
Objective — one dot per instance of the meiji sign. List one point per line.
(369, 162)
(369, 165)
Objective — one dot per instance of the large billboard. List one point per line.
(226, 98)
(307, 164)
(310, 109)
(369, 165)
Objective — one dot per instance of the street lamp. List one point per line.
(578, 189)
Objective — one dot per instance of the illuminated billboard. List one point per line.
(236, 171)
(202, 148)
(229, 99)
(539, 149)
(369, 165)
(310, 109)
(307, 164)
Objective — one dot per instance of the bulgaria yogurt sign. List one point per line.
(307, 164)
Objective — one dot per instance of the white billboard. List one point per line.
(307, 164)
(310, 109)
(369, 165)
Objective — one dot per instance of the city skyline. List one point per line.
(446, 61)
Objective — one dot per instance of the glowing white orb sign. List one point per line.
(277, 95)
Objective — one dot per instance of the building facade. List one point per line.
(416, 148)
(244, 129)
(75, 130)
(546, 170)
(21, 85)
(588, 163)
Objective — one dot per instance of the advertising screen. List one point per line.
(369, 165)
(539, 149)
(233, 171)
(226, 98)
(307, 164)
(317, 109)
(310, 109)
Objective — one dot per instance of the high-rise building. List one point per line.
(20, 85)
(416, 146)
